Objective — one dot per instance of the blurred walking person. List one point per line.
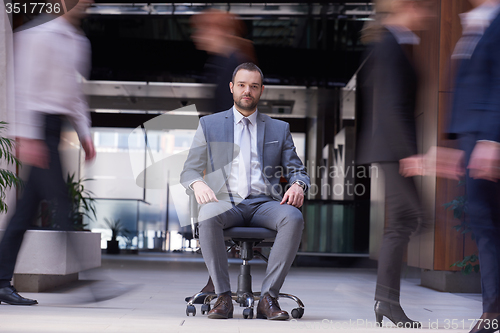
(47, 58)
(389, 138)
(475, 121)
(220, 34)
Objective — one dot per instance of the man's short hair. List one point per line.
(249, 66)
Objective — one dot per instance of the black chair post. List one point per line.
(244, 293)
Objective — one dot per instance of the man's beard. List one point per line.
(248, 107)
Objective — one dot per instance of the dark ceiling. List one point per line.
(312, 50)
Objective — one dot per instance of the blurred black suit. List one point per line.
(389, 135)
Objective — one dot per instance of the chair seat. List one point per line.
(249, 232)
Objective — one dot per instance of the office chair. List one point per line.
(244, 239)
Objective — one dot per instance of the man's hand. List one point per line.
(444, 162)
(203, 193)
(485, 161)
(33, 152)
(294, 196)
(88, 147)
(411, 166)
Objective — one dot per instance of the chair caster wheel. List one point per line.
(205, 308)
(190, 309)
(298, 313)
(248, 313)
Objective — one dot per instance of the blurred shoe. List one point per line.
(395, 313)
(10, 296)
(208, 290)
(269, 308)
(488, 323)
(200, 299)
(104, 290)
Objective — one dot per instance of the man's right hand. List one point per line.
(203, 193)
(33, 152)
(88, 147)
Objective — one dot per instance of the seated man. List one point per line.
(241, 188)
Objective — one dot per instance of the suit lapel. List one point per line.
(261, 130)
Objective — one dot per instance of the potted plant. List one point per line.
(117, 229)
(8, 179)
(82, 204)
(458, 205)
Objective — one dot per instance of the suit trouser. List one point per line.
(42, 184)
(254, 211)
(403, 215)
(483, 199)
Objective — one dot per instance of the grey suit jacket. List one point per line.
(213, 151)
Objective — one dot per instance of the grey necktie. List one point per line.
(245, 151)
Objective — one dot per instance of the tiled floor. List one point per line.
(335, 300)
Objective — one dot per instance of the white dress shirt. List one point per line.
(474, 24)
(47, 60)
(257, 181)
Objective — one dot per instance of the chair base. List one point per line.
(244, 239)
(246, 300)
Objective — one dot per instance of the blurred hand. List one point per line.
(411, 166)
(485, 161)
(294, 196)
(88, 147)
(33, 152)
(203, 193)
(444, 162)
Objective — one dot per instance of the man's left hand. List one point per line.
(294, 196)
(485, 161)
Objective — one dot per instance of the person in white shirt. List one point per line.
(48, 58)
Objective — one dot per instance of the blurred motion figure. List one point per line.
(475, 121)
(389, 138)
(47, 59)
(220, 35)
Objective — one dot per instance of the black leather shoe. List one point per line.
(394, 313)
(489, 323)
(223, 308)
(269, 308)
(10, 296)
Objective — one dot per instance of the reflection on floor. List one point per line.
(336, 299)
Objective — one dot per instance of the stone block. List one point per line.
(452, 282)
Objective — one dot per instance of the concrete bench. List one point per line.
(50, 258)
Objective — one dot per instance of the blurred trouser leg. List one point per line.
(22, 219)
(42, 184)
(484, 212)
(403, 214)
